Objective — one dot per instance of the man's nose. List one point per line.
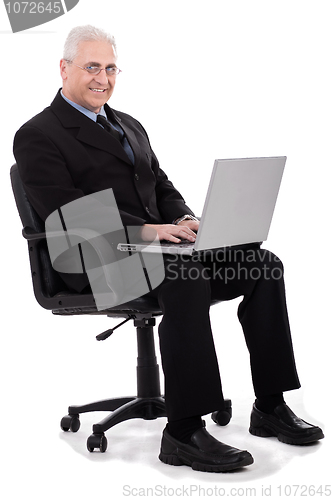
(102, 77)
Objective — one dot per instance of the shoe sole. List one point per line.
(174, 459)
(269, 432)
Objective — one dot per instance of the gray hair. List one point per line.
(86, 33)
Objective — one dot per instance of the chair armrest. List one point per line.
(100, 245)
(30, 234)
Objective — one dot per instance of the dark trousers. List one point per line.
(192, 379)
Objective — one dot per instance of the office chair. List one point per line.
(52, 294)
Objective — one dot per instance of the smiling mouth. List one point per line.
(98, 90)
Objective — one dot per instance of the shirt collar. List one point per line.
(85, 111)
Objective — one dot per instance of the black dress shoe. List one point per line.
(203, 453)
(285, 425)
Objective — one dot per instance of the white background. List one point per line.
(213, 79)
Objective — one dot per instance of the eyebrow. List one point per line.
(98, 65)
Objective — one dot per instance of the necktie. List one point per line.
(117, 134)
(108, 127)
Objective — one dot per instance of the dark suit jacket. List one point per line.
(63, 155)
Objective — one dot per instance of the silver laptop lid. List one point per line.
(240, 201)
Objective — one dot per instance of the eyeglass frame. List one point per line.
(118, 70)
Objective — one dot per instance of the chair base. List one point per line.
(122, 409)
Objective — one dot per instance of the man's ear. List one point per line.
(63, 69)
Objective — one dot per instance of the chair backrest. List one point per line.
(48, 286)
(29, 217)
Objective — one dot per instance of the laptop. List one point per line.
(238, 209)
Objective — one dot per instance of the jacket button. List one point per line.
(147, 210)
(136, 177)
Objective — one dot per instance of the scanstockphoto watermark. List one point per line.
(160, 490)
(227, 266)
(224, 273)
(228, 254)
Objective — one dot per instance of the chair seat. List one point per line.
(142, 305)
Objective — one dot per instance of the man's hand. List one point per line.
(183, 231)
(191, 224)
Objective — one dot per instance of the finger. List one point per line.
(187, 234)
(170, 237)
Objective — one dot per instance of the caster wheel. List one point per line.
(70, 422)
(223, 417)
(97, 441)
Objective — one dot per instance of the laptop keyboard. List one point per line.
(182, 244)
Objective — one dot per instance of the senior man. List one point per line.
(79, 146)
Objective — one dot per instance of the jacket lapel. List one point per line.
(88, 131)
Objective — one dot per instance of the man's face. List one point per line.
(89, 91)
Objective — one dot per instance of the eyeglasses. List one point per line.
(95, 70)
